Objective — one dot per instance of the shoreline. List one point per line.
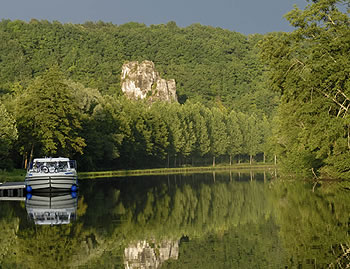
(19, 174)
(179, 170)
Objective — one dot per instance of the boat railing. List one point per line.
(54, 167)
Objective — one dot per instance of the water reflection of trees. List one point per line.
(194, 211)
(313, 224)
(239, 222)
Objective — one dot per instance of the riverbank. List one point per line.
(13, 175)
(179, 170)
(19, 174)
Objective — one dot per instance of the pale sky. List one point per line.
(244, 16)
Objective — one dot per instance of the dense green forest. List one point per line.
(60, 94)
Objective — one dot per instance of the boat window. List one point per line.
(73, 164)
(62, 166)
(37, 166)
(52, 166)
(63, 217)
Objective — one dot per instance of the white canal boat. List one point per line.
(52, 174)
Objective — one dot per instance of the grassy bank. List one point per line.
(13, 175)
(180, 170)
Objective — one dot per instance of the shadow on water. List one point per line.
(223, 220)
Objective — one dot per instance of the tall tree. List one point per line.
(8, 134)
(310, 68)
(218, 135)
(188, 131)
(105, 131)
(253, 137)
(171, 114)
(48, 117)
(199, 115)
(266, 133)
(235, 136)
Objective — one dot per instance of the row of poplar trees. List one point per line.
(54, 116)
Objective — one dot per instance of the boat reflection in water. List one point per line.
(52, 208)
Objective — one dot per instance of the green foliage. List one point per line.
(218, 135)
(308, 66)
(8, 135)
(207, 62)
(104, 130)
(48, 117)
(62, 84)
(235, 135)
(199, 116)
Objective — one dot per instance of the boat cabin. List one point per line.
(52, 165)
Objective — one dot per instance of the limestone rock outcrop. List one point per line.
(150, 255)
(141, 81)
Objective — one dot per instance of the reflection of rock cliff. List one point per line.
(146, 255)
(140, 81)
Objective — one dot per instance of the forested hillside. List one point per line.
(61, 94)
(209, 64)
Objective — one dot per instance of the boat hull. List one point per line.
(51, 182)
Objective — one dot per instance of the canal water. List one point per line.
(221, 220)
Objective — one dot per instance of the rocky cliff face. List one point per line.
(144, 255)
(140, 81)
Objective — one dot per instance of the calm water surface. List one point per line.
(219, 220)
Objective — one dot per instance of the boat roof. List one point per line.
(46, 159)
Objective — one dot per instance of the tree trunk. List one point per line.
(264, 157)
(30, 157)
(275, 159)
(175, 160)
(250, 159)
(213, 161)
(25, 160)
(230, 160)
